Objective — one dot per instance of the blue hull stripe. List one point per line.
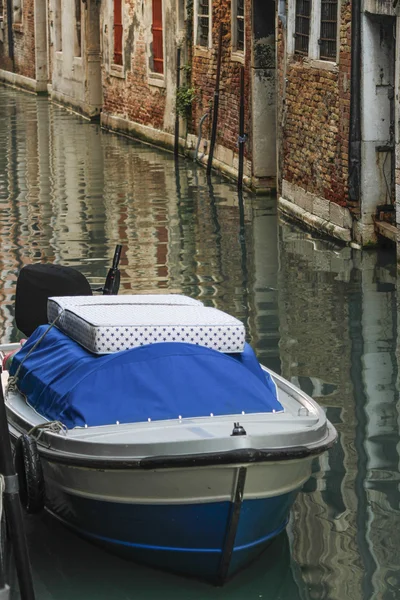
(102, 538)
(184, 538)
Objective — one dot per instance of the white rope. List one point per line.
(13, 379)
(53, 426)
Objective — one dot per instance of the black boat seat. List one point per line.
(38, 282)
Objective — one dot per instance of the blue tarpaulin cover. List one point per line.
(65, 382)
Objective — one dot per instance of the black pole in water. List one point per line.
(241, 132)
(178, 84)
(10, 35)
(216, 103)
(13, 507)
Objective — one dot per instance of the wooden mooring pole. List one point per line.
(178, 84)
(13, 509)
(215, 104)
(241, 132)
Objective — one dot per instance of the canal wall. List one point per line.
(313, 128)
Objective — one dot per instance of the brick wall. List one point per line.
(204, 74)
(132, 97)
(24, 43)
(313, 119)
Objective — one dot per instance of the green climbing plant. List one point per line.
(185, 96)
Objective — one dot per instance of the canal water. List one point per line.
(324, 316)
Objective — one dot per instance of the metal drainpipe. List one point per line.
(196, 157)
(355, 105)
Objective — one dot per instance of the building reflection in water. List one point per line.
(338, 326)
(324, 316)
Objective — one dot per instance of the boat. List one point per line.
(146, 424)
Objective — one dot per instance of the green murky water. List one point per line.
(324, 316)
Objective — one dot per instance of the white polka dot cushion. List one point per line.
(56, 305)
(106, 328)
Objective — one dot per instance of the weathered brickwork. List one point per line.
(24, 43)
(204, 75)
(132, 96)
(313, 119)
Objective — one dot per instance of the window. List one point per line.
(203, 29)
(238, 25)
(313, 29)
(78, 29)
(180, 13)
(58, 26)
(327, 41)
(118, 32)
(157, 28)
(302, 27)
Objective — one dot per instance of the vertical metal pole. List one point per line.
(13, 507)
(216, 103)
(178, 83)
(241, 132)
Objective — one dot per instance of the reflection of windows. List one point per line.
(313, 29)
(117, 32)
(58, 26)
(78, 29)
(327, 41)
(238, 25)
(203, 29)
(158, 51)
(302, 33)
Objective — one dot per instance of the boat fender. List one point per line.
(30, 474)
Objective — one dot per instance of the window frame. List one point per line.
(234, 27)
(197, 16)
(330, 58)
(306, 18)
(313, 55)
(153, 70)
(58, 21)
(117, 65)
(77, 29)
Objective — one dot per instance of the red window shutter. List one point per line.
(158, 54)
(118, 32)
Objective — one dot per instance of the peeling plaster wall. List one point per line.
(76, 80)
(133, 92)
(376, 85)
(68, 73)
